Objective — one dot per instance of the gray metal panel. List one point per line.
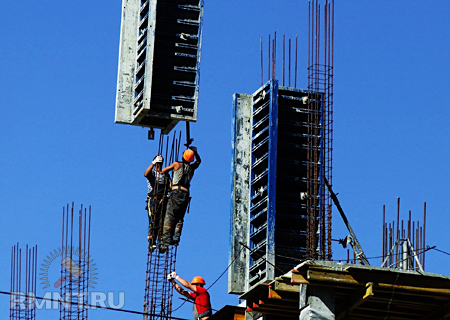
(159, 63)
(127, 56)
(272, 180)
(240, 193)
(140, 114)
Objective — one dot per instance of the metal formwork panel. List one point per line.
(281, 124)
(240, 192)
(263, 183)
(162, 38)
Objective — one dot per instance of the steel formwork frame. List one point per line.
(255, 208)
(23, 284)
(269, 176)
(159, 62)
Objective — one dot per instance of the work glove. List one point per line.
(157, 159)
(171, 275)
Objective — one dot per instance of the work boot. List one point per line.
(152, 248)
(162, 248)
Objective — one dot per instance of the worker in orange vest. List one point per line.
(202, 303)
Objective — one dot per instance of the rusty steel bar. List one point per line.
(398, 228)
(295, 65)
(424, 224)
(273, 58)
(283, 57)
(383, 254)
(417, 237)
(261, 49)
(289, 67)
(390, 244)
(409, 225)
(275, 55)
(268, 60)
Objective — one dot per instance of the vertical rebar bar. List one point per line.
(398, 229)
(283, 58)
(261, 49)
(295, 65)
(275, 55)
(268, 59)
(383, 254)
(424, 224)
(289, 82)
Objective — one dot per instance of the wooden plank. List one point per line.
(439, 291)
(332, 276)
(283, 295)
(357, 299)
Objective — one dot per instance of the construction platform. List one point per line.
(330, 290)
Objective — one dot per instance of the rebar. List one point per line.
(261, 49)
(403, 242)
(23, 293)
(158, 291)
(75, 264)
(271, 65)
(320, 128)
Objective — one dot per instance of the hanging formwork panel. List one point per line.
(276, 183)
(159, 62)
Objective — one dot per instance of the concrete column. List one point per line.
(320, 303)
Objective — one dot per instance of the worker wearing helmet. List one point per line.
(179, 197)
(158, 187)
(202, 303)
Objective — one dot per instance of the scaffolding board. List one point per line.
(159, 63)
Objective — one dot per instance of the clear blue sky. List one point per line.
(59, 143)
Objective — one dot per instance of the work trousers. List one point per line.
(173, 221)
(156, 207)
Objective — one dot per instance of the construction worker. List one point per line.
(158, 188)
(179, 197)
(202, 303)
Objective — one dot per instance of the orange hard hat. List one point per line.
(188, 155)
(197, 280)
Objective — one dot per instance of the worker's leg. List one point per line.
(180, 219)
(152, 221)
(149, 214)
(161, 215)
(170, 219)
(157, 218)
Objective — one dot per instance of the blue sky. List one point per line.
(59, 143)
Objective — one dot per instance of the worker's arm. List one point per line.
(198, 160)
(148, 170)
(168, 168)
(184, 283)
(180, 290)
